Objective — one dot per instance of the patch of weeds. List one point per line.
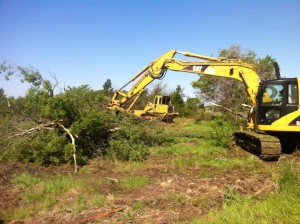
(230, 197)
(32, 196)
(48, 202)
(128, 166)
(25, 180)
(182, 147)
(182, 163)
(177, 199)
(138, 206)
(98, 201)
(20, 213)
(86, 170)
(223, 162)
(79, 204)
(290, 181)
(134, 182)
(202, 201)
(41, 192)
(58, 184)
(206, 175)
(130, 217)
(167, 150)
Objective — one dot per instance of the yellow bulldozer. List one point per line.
(161, 108)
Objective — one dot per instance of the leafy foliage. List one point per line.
(132, 139)
(44, 148)
(222, 132)
(192, 107)
(93, 132)
(80, 110)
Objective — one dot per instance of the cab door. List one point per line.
(292, 97)
(276, 99)
(271, 102)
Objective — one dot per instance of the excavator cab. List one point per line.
(278, 111)
(277, 99)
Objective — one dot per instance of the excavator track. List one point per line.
(266, 147)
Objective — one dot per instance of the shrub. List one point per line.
(93, 132)
(202, 116)
(132, 138)
(44, 148)
(221, 132)
(129, 141)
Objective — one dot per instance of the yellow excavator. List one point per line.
(274, 117)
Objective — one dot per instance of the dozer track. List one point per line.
(266, 147)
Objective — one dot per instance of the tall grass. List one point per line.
(25, 180)
(43, 191)
(134, 182)
(280, 207)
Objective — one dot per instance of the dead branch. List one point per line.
(101, 215)
(53, 85)
(73, 144)
(47, 126)
(229, 110)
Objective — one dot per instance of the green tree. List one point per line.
(107, 86)
(4, 104)
(192, 106)
(177, 99)
(31, 76)
(265, 68)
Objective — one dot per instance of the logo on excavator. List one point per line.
(198, 68)
(195, 68)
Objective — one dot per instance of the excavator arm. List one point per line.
(203, 65)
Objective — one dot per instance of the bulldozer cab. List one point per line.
(163, 104)
(162, 100)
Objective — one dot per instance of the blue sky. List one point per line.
(89, 41)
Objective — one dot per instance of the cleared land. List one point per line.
(188, 181)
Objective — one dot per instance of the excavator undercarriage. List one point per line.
(266, 147)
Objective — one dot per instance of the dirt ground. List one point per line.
(171, 196)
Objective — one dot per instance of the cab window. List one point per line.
(273, 95)
(292, 94)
